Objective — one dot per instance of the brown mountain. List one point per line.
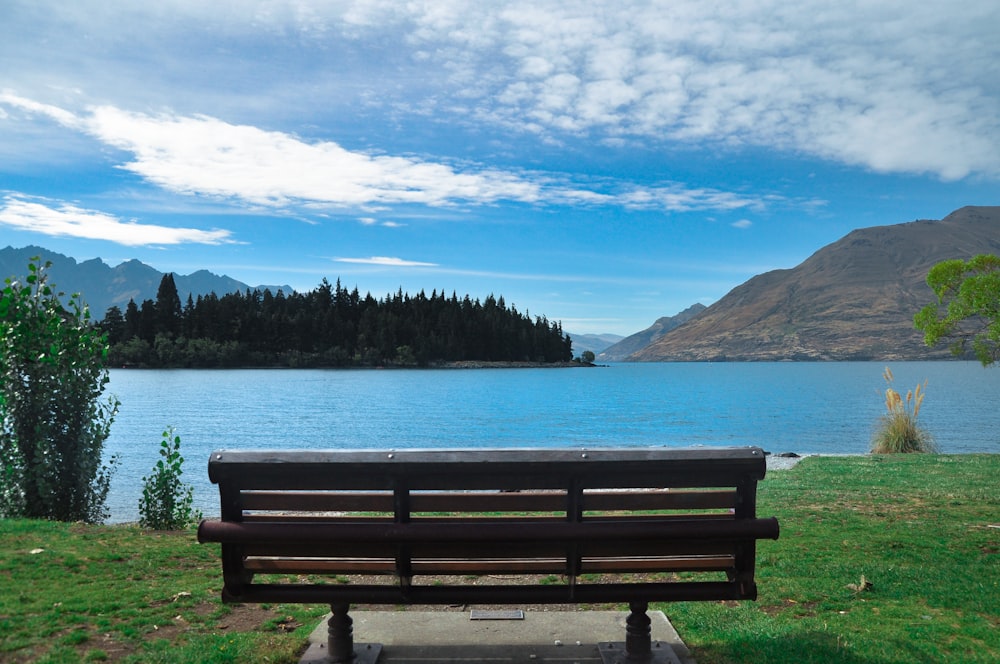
(636, 342)
(851, 300)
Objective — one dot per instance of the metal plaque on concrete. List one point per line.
(510, 614)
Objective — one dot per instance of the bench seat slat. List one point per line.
(526, 501)
(658, 500)
(465, 566)
(494, 594)
(471, 521)
(497, 531)
(317, 501)
(480, 550)
(485, 469)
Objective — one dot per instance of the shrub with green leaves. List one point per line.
(53, 423)
(166, 502)
(898, 430)
(967, 310)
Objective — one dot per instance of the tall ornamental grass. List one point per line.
(898, 430)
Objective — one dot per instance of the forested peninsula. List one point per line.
(327, 327)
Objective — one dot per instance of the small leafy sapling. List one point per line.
(167, 503)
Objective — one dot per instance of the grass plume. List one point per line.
(898, 430)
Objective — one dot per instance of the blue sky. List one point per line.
(599, 163)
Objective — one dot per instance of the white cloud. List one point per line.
(66, 220)
(207, 156)
(372, 221)
(684, 199)
(742, 223)
(55, 113)
(385, 261)
(891, 86)
(888, 86)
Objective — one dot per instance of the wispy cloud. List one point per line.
(890, 86)
(883, 85)
(372, 221)
(205, 156)
(62, 219)
(60, 115)
(386, 261)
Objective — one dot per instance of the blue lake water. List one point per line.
(809, 408)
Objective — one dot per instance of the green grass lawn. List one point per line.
(922, 530)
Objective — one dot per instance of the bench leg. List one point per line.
(340, 634)
(340, 639)
(638, 647)
(637, 632)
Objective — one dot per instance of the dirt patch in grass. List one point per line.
(240, 618)
(246, 618)
(787, 604)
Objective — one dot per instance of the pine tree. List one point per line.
(168, 307)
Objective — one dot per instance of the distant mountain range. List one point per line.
(636, 342)
(851, 300)
(595, 343)
(103, 286)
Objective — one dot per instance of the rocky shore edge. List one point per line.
(783, 460)
(479, 364)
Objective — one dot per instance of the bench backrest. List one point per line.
(580, 515)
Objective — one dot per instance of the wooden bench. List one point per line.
(543, 526)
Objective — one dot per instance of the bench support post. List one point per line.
(638, 647)
(637, 632)
(340, 634)
(340, 639)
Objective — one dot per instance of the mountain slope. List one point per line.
(595, 343)
(636, 342)
(851, 300)
(103, 286)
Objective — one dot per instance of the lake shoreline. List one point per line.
(458, 364)
(478, 364)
